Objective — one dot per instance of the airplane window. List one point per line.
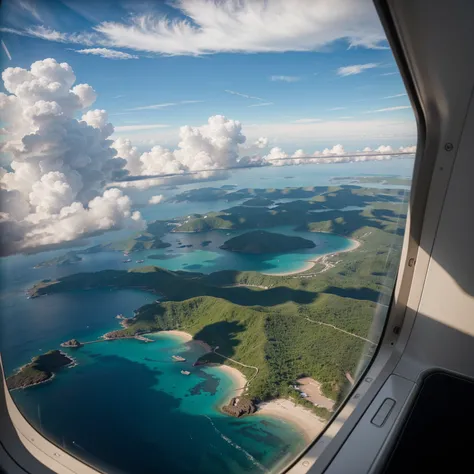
(203, 208)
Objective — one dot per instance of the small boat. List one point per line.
(140, 261)
(178, 358)
(185, 372)
(128, 260)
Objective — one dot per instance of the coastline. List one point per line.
(300, 417)
(185, 337)
(309, 264)
(238, 379)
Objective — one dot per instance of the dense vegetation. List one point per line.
(321, 212)
(261, 241)
(40, 369)
(66, 259)
(319, 323)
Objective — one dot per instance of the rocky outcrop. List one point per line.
(72, 343)
(239, 406)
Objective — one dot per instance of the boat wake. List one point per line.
(236, 446)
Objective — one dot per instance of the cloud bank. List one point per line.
(54, 189)
(250, 26)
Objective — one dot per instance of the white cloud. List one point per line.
(106, 53)
(347, 117)
(166, 104)
(261, 142)
(245, 96)
(156, 199)
(307, 120)
(55, 189)
(335, 154)
(262, 104)
(202, 152)
(389, 109)
(354, 69)
(285, 78)
(48, 34)
(133, 128)
(408, 149)
(337, 108)
(250, 26)
(389, 74)
(4, 46)
(395, 96)
(30, 8)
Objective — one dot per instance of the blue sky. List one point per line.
(299, 95)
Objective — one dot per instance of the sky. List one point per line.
(97, 92)
(159, 65)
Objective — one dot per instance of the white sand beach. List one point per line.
(186, 337)
(238, 378)
(302, 418)
(309, 264)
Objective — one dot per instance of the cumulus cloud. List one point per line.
(261, 142)
(53, 191)
(335, 154)
(408, 149)
(251, 26)
(201, 152)
(355, 69)
(106, 53)
(156, 199)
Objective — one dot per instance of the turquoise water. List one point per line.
(126, 407)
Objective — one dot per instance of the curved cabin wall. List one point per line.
(443, 332)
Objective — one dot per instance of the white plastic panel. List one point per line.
(366, 440)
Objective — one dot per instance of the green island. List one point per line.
(261, 241)
(66, 259)
(41, 369)
(319, 323)
(143, 241)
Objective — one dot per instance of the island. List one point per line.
(261, 241)
(206, 243)
(149, 240)
(73, 343)
(296, 337)
(41, 369)
(67, 259)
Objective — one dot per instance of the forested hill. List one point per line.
(261, 241)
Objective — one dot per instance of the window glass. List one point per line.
(203, 208)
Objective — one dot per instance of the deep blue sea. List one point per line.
(126, 406)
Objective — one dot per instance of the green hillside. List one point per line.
(261, 241)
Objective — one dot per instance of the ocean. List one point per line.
(126, 407)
